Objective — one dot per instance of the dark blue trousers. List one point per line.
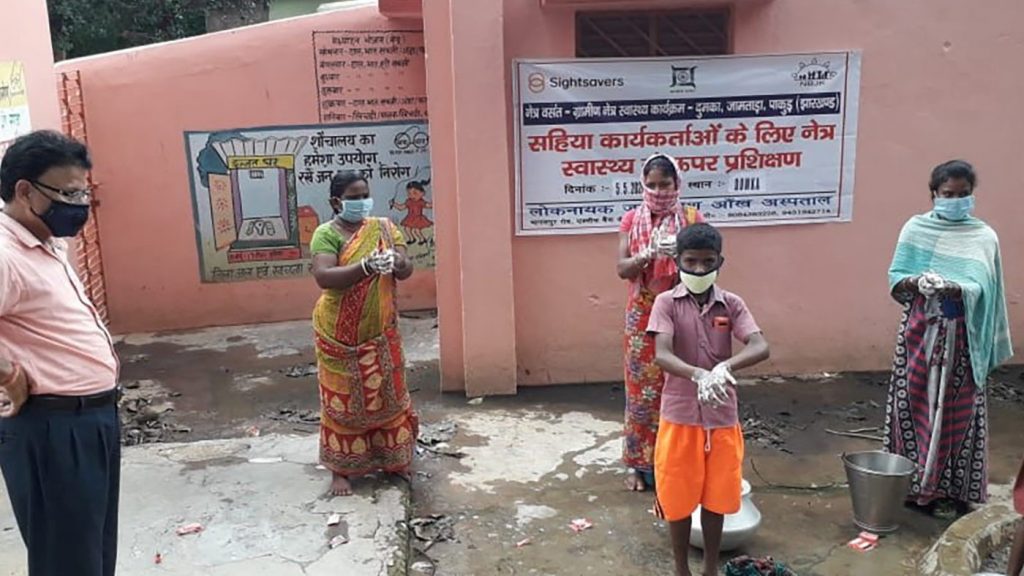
(63, 470)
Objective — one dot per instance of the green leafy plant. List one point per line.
(85, 27)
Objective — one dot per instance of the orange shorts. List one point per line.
(687, 475)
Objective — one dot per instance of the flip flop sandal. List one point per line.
(945, 510)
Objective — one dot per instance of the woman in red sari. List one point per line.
(367, 423)
(648, 264)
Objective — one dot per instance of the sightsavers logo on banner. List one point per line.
(758, 139)
(538, 82)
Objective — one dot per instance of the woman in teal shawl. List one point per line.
(954, 331)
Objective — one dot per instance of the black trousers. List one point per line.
(63, 471)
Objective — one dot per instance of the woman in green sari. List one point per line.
(367, 423)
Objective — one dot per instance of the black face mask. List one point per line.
(65, 220)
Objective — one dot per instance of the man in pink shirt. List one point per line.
(698, 457)
(60, 450)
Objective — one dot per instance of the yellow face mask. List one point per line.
(698, 284)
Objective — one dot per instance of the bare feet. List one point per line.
(339, 486)
(635, 481)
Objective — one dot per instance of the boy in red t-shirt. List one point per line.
(698, 458)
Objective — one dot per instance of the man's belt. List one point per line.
(54, 402)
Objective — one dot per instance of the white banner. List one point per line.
(760, 140)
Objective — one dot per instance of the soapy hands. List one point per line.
(381, 261)
(663, 243)
(712, 387)
(930, 284)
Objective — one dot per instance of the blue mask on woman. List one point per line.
(954, 209)
(356, 210)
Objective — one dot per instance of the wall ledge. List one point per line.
(401, 9)
(643, 4)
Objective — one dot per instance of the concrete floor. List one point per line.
(261, 503)
(532, 463)
(261, 516)
(536, 462)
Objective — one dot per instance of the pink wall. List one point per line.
(933, 87)
(938, 82)
(440, 79)
(25, 37)
(138, 104)
(477, 283)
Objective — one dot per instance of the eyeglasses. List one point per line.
(83, 196)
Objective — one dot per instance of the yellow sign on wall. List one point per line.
(261, 162)
(14, 117)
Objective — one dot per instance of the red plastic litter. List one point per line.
(194, 528)
(864, 542)
(580, 524)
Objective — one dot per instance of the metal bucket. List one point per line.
(878, 486)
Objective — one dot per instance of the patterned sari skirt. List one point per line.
(935, 414)
(367, 423)
(644, 382)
